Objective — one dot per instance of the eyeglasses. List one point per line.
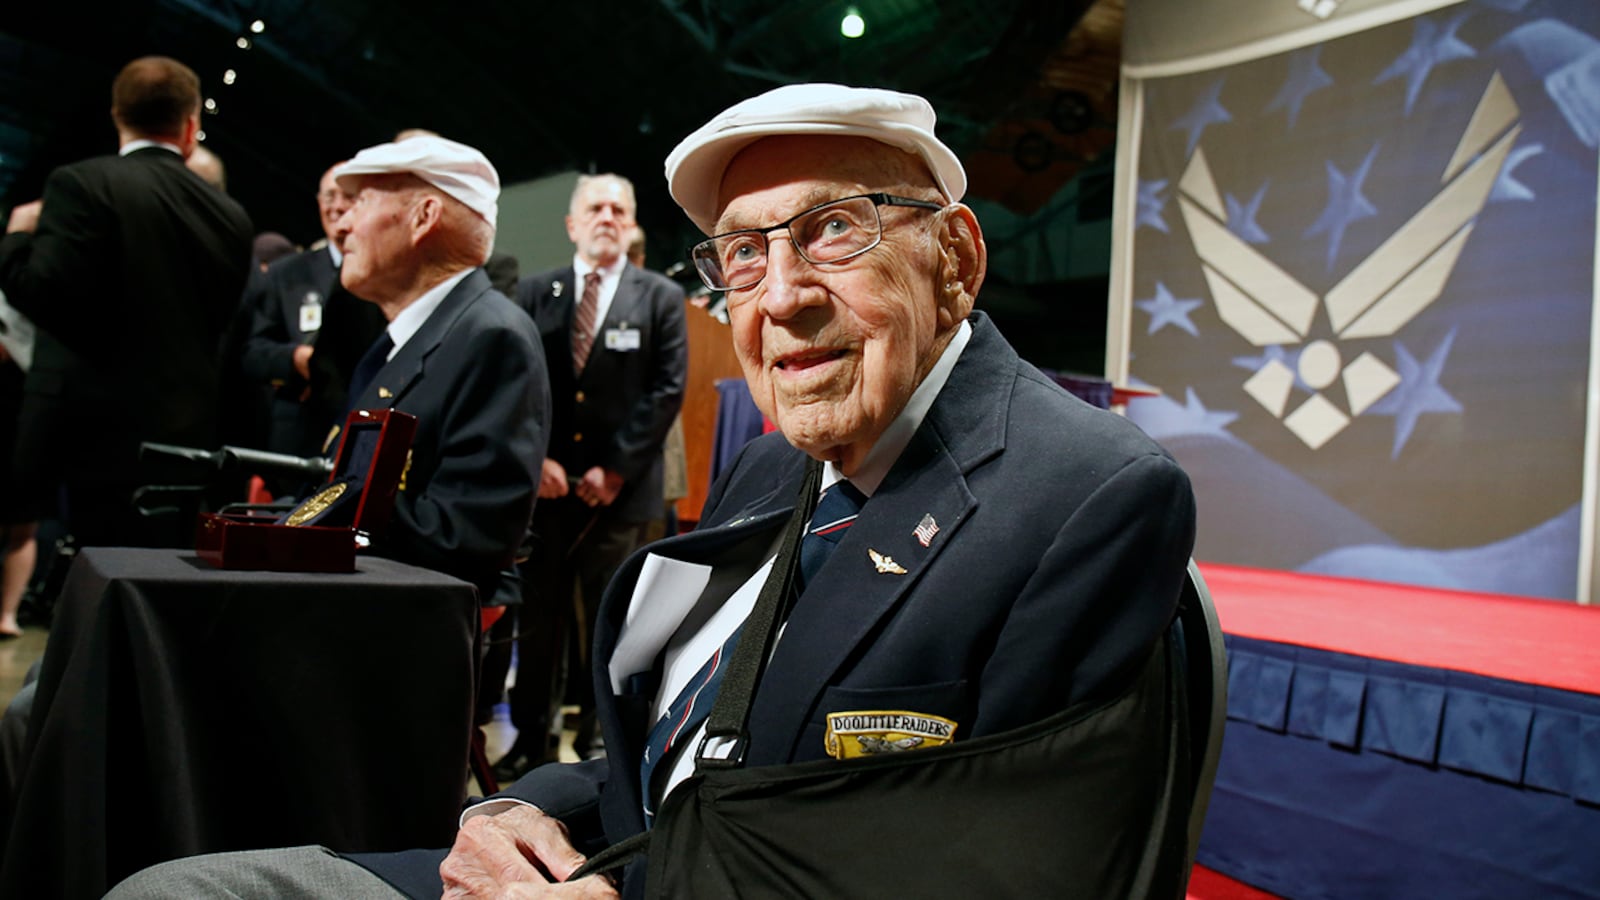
(833, 232)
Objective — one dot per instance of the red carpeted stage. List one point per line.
(1546, 642)
(1386, 740)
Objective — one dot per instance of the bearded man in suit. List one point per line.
(616, 339)
(130, 266)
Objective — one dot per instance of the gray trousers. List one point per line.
(290, 872)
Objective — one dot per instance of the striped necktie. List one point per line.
(687, 711)
(836, 512)
(583, 322)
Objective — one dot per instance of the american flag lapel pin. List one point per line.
(926, 529)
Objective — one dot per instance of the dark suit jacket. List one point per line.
(618, 412)
(275, 300)
(348, 326)
(474, 376)
(1063, 537)
(131, 276)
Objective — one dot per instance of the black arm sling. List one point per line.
(1091, 802)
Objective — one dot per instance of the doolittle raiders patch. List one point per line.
(869, 732)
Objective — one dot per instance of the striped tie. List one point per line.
(688, 710)
(836, 512)
(583, 322)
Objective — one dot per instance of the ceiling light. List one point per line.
(230, 76)
(211, 105)
(242, 43)
(258, 26)
(199, 135)
(852, 25)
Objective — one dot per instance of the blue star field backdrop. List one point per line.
(1468, 472)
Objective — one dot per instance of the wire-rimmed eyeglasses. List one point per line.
(831, 232)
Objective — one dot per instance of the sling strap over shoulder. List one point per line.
(1088, 803)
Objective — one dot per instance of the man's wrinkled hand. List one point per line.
(520, 852)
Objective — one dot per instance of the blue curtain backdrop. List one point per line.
(1362, 275)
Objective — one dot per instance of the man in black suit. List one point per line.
(130, 266)
(616, 340)
(456, 354)
(297, 303)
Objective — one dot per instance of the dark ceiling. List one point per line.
(548, 87)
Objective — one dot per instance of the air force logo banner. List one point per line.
(1361, 272)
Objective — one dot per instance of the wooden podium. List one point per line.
(711, 359)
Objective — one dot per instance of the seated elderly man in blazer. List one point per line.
(456, 353)
(1012, 550)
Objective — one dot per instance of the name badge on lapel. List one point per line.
(623, 339)
(311, 313)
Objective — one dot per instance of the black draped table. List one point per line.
(183, 709)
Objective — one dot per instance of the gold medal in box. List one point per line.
(317, 508)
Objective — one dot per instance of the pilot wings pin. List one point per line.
(886, 564)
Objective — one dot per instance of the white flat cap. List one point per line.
(458, 170)
(695, 166)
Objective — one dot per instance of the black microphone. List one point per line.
(190, 454)
(310, 465)
(218, 459)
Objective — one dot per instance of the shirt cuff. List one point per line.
(492, 808)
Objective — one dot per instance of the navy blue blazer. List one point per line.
(1063, 536)
(474, 376)
(617, 413)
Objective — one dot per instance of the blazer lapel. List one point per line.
(878, 560)
(406, 368)
(559, 299)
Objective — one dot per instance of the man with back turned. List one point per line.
(130, 266)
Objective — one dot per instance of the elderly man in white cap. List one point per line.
(1000, 551)
(456, 354)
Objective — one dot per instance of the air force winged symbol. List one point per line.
(1407, 273)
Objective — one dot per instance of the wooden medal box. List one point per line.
(322, 532)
